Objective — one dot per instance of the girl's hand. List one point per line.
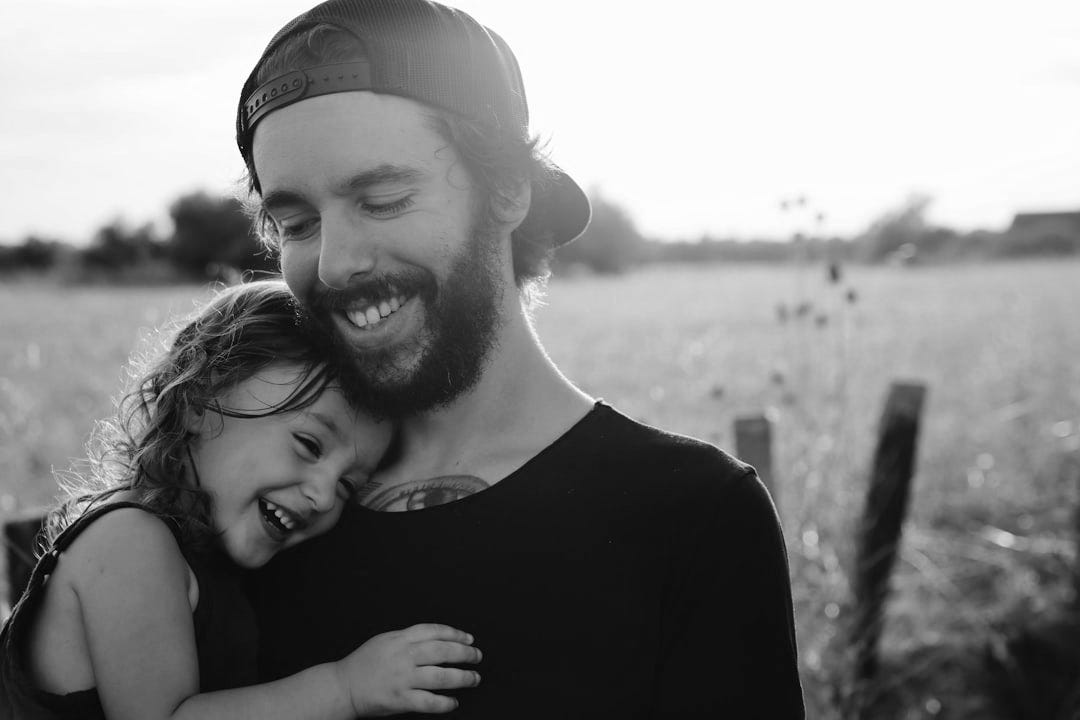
(397, 671)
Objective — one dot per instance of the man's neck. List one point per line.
(520, 405)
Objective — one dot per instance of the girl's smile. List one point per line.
(278, 478)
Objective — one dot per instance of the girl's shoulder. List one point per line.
(125, 531)
(118, 543)
(112, 565)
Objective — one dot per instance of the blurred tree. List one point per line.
(904, 226)
(212, 235)
(116, 246)
(35, 254)
(610, 244)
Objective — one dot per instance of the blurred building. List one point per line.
(1049, 233)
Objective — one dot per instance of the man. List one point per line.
(605, 568)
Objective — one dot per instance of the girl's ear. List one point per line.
(194, 420)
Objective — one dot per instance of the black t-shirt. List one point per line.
(623, 572)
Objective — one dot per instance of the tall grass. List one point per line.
(62, 354)
(990, 521)
(989, 536)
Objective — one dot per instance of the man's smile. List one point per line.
(368, 315)
(367, 324)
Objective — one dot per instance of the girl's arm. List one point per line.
(132, 585)
(391, 673)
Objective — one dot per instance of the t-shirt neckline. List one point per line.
(485, 495)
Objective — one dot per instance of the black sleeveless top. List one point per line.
(225, 634)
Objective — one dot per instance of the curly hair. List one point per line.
(143, 450)
(497, 164)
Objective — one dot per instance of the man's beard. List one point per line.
(446, 356)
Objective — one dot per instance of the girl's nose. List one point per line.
(321, 491)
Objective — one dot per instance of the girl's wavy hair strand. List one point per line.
(143, 450)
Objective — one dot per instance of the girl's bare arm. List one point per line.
(132, 585)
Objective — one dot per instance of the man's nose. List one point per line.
(347, 250)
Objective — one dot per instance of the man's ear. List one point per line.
(514, 206)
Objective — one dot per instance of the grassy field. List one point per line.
(991, 528)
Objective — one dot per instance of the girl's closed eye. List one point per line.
(348, 488)
(311, 447)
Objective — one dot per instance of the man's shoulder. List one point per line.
(636, 458)
(627, 440)
(659, 481)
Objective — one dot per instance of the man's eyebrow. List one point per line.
(379, 175)
(281, 198)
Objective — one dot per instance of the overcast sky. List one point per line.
(699, 121)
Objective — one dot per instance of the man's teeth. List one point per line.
(373, 314)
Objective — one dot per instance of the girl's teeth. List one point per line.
(372, 315)
(282, 516)
(384, 308)
(394, 304)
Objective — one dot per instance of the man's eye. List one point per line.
(388, 209)
(298, 230)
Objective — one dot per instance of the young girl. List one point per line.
(236, 444)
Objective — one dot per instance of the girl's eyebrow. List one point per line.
(329, 423)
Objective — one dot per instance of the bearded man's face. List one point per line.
(380, 241)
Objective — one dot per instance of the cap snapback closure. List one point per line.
(301, 84)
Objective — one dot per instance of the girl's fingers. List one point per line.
(441, 652)
(435, 631)
(426, 702)
(431, 677)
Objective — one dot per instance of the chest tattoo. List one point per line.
(419, 494)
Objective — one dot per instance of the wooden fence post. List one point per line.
(878, 534)
(20, 534)
(1072, 474)
(753, 445)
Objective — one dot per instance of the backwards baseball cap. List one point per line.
(427, 52)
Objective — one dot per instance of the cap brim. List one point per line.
(559, 207)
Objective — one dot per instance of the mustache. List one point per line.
(372, 289)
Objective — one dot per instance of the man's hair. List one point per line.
(497, 165)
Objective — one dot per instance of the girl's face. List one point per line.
(283, 478)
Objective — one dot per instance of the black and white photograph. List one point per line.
(506, 361)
